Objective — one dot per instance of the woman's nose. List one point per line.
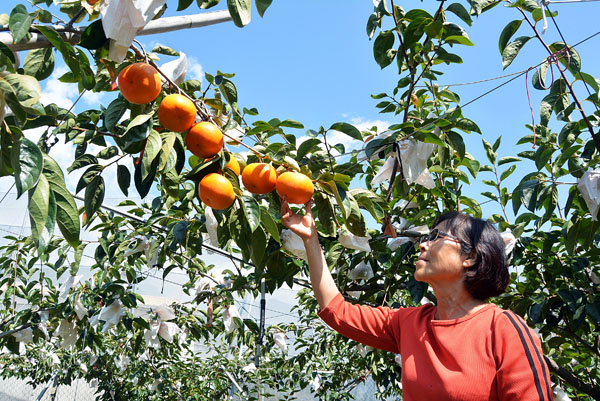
(423, 246)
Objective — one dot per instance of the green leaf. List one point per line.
(347, 129)
(262, 5)
(24, 89)
(325, 214)
(93, 37)
(461, 12)
(480, 6)
(206, 4)
(496, 144)
(291, 124)
(463, 40)
(82, 161)
(114, 112)
(383, 48)
(240, 11)
(537, 14)
(507, 172)
(39, 199)
(508, 159)
(251, 211)
(19, 23)
(572, 62)
(466, 125)
(137, 121)
(529, 194)
(66, 50)
(48, 229)
(7, 57)
(88, 176)
(166, 150)
(161, 49)
(152, 149)
(269, 222)
(258, 244)
(527, 5)
(489, 151)
(87, 80)
(370, 201)
(94, 196)
(509, 30)
(39, 63)
(538, 80)
(307, 147)
(183, 4)
(108, 153)
(179, 231)
(67, 215)
(512, 50)
(123, 178)
(416, 289)
(229, 92)
(143, 186)
(457, 143)
(27, 163)
(590, 80)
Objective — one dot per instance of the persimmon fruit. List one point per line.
(176, 113)
(296, 186)
(234, 165)
(139, 83)
(204, 139)
(259, 178)
(216, 191)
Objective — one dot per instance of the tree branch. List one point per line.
(592, 391)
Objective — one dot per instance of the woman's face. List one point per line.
(441, 260)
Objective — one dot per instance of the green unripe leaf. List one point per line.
(39, 63)
(240, 11)
(27, 163)
(383, 50)
(39, 199)
(19, 23)
(509, 30)
(512, 50)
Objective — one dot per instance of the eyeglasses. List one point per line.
(435, 234)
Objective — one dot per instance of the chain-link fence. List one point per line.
(13, 389)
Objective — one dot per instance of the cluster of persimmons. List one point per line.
(140, 83)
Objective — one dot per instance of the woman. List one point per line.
(460, 349)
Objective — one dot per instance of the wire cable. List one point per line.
(517, 75)
(565, 42)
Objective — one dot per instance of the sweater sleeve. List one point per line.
(365, 324)
(522, 374)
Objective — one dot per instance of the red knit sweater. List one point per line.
(489, 355)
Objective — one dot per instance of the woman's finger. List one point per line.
(308, 208)
(285, 206)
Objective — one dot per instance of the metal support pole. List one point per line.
(167, 24)
(261, 331)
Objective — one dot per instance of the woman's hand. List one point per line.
(303, 226)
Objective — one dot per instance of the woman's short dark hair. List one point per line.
(488, 277)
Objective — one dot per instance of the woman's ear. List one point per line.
(470, 260)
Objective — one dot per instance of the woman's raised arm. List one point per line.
(321, 280)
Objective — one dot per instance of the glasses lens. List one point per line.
(432, 236)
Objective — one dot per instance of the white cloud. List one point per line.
(57, 92)
(195, 70)
(363, 124)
